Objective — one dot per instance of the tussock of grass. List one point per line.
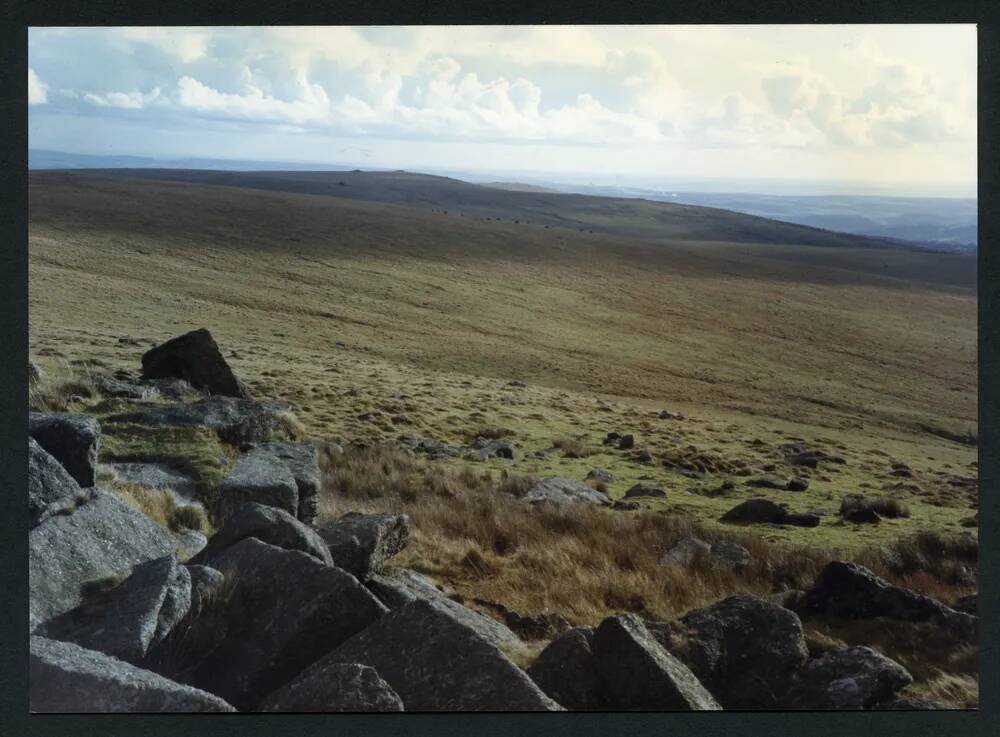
(573, 447)
(192, 450)
(58, 396)
(290, 427)
(163, 507)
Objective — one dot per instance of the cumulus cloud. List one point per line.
(36, 89)
(134, 100)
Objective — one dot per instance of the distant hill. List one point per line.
(635, 218)
(518, 187)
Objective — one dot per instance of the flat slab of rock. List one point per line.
(336, 687)
(567, 672)
(64, 677)
(283, 610)
(72, 439)
(400, 587)
(261, 477)
(745, 650)
(269, 525)
(851, 591)
(103, 537)
(51, 490)
(126, 620)
(435, 662)
(853, 678)
(645, 490)
(194, 357)
(640, 674)
(235, 421)
(362, 543)
(565, 491)
(154, 476)
(302, 461)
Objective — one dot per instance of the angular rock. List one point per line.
(436, 662)
(337, 687)
(206, 582)
(235, 421)
(64, 677)
(486, 448)
(154, 476)
(756, 510)
(282, 610)
(51, 490)
(194, 357)
(103, 537)
(258, 476)
(852, 678)
(433, 449)
(645, 490)
(600, 474)
(849, 590)
(639, 674)
(302, 461)
(126, 620)
(72, 439)
(797, 484)
(269, 525)
(565, 491)
(567, 672)
(189, 543)
(400, 587)
(362, 543)
(745, 650)
(625, 442)
(686, 551)
(125, 386)
(730, 554)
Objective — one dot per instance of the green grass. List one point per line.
(191, 450)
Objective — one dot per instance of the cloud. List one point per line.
(134, 100)
(36, 89)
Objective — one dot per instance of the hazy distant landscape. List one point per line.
(482, 434)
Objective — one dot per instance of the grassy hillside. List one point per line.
(376, 319)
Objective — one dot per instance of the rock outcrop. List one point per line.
(362, 543)
(565, 491)
(235, 421)
(258, 477)
(194, 357)
(852, 678)
(51, 490)
(267, 524)
(567, 671)
(336, 687)
(72, 439)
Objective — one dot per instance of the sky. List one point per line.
(889, 105)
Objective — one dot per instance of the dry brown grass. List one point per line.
(162, 506)
(884, 506)
(61, 396)
(574, 447)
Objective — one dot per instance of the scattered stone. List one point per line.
(436, 662)
(797, 484)
(686, 552)
(639, 674)
(194, 357)
(110, 385)
(67, 678)
(730, 554)
(565, 491)
(645, 490)
(126, 620)
(51, 490)
(284, 609)
(100, 538)
(337, 687)
(486, 448)
(807, 459)
(765, 511)
(626, 442)
(362, 543)
(235, 421)
(567, 672)
(433, 449)
(853, 678)
(72, 439)
(600, 474)
(848, 590)
(611, 438)
(302, 461)
(801, 520)
(767, 482)
(261, 477)
(643, 456)
(270, 525)
(668, 415)
(863, 516)
(620, 506)
(154, 476)
(744, 649)
(517, 384)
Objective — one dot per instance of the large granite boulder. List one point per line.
(235, 421)
(755, 511)
(398, 588)
(100, 538)
(851, 591)
(126, 620)
(362, 543)
(51, 490)
(745, 650)
(64, 677)
(565, 491)
(258, 476)
(639, 673)
(336, 687)
(194, 357)
(567, 672)
(852, 678)
(280, 610)
(269, 525)
(72, 439)
(302, 461)
(436, 662)
(155, 476)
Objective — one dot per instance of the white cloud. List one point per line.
(134, 100)
(36, 89)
